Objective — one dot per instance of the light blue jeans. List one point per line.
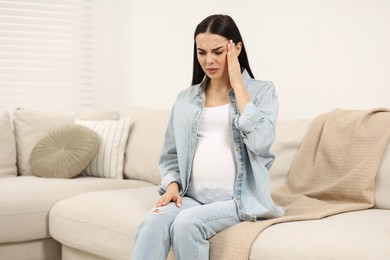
(187, 229)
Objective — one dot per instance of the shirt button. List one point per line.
(238, 149)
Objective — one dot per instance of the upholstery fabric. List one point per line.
(333, 172)
(357, 235)
(382, 198)
(112, 217)
(109, 219)
(69, 253)
(113, 135)
(7, 145)
(146, 137)
(25, 202)
(32, 125)
(64, 152)
(40, 249)
(289, 135)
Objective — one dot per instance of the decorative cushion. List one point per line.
(32, 125)
(109, 160)
(7, 146)
(64, 152)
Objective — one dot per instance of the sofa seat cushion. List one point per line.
(354, 235)
(42, 249)
(107, 227)
(25, 202)
(102, 223)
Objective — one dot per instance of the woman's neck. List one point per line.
(219, 84)
(216, 92)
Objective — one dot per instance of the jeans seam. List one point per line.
(162, 248)
(219, 217)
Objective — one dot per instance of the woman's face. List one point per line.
(211, 54)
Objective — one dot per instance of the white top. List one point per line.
(214, 165)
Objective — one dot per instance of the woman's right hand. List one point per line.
(172, 194)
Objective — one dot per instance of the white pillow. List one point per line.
(113, 135)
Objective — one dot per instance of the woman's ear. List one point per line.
(238, 48)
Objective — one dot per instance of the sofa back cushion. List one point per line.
(289, 135)
(7, 146)
(382, 182)
(32, 125)
(147, 131)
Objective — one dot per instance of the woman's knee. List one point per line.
(154, 225)
(186, 224)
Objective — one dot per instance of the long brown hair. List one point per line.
(222, 25)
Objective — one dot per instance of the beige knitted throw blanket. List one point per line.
(333, 172)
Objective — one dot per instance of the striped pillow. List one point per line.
(109, 160)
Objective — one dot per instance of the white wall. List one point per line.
(320, 54)
(107, 54)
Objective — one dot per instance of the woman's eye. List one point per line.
(218, 53)
(201, 53)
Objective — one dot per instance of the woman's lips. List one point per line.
(212, 70)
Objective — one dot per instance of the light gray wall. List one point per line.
(321, 54)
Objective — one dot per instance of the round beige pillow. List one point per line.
(64, 152)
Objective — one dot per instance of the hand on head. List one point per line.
(234, 68)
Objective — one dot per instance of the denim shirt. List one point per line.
(253, 135)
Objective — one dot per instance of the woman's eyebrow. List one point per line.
(215, 49)
(218, 48)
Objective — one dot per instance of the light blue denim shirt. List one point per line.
(253, 135)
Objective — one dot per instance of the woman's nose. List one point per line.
(209, 59)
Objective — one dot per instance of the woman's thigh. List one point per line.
(212, 218)
(165, 215)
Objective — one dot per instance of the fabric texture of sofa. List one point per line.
(90, 217)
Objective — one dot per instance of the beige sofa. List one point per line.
(96, 218)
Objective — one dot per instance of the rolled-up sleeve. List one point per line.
(257, 121)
